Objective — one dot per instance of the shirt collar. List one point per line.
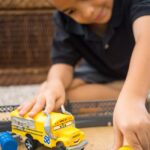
(117, 15)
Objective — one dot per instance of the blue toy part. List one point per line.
(7, 142)
(47, 139)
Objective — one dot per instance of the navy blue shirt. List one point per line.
(110, 53)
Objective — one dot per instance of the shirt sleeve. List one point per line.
(139, 8)
(62, 50)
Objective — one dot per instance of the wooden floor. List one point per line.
(99, 138)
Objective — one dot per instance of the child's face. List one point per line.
(86, 11)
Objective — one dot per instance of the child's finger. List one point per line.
(20, 107)
(50, 104)
(26, 107)
(118, 139)
(143, 138)
(133, 141)
(58, 104)
(39, 105)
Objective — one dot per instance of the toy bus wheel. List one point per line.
(30, 143)
(60, 146)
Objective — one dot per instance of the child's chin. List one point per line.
(104, 20)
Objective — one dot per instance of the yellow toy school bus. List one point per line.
(54, 130)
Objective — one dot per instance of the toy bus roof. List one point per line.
(56, 118)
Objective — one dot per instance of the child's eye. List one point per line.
(70, 12)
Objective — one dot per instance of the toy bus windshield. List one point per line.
(62, 125)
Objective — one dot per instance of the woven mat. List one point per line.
(22, 76)
(25, 47)
(22, 4)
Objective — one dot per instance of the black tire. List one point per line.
(30, 143)
(60, 146)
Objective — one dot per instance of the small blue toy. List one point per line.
(7, 142)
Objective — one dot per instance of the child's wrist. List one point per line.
(131, 97)
(134, 92)
(54, 81)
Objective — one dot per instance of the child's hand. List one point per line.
(51, 96)
(131, 121)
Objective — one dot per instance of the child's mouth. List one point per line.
(100, 14)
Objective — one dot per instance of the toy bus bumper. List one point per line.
(78, 147)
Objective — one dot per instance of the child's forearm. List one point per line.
(138, 78)
(62, 73)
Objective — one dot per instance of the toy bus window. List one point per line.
(23, 123)
(57, 127)
(69, 123)
(63, 125)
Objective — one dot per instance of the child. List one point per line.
(113, 36)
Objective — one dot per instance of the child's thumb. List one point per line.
(118, 139)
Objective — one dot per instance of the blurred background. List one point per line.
(26, 30)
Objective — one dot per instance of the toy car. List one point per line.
(125, 148)
(7, 141)
(54, 130)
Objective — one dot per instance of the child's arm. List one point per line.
(62, 73)
(52, 92)
(131, 119)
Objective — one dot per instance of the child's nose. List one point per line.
(88, 12)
